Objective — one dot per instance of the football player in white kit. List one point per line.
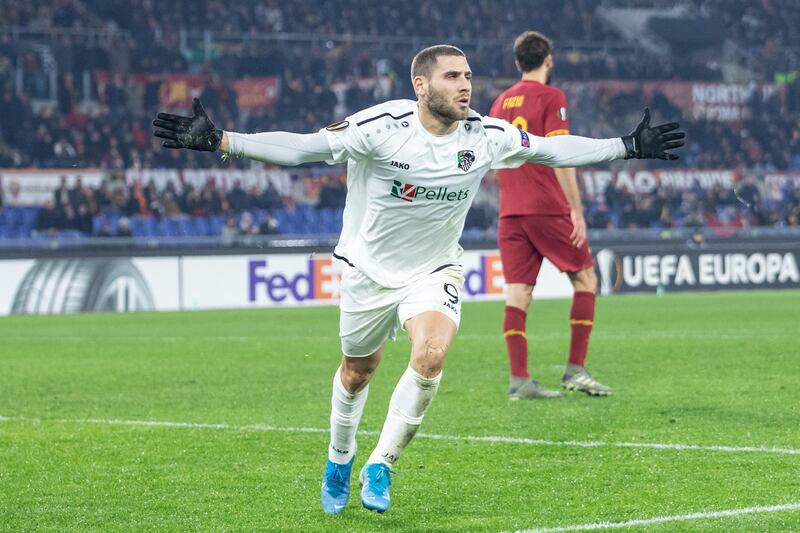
(413, 168)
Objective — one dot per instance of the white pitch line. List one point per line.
(606, 336)
(663, 519)
(458, 438)
(214, 338)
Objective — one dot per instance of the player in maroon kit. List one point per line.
(541, 215)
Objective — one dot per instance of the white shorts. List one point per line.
(369, 313)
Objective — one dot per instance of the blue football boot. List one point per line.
(375, 480)
(336, 486)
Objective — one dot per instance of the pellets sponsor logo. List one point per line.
(404, 191)
(409, 192)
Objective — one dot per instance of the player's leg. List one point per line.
(551, 236)
(431, 334)
(521, 264)
(581, 315)
(518, 299)
(350, 391)
(581, 319)
(430, 315)
(363, 334)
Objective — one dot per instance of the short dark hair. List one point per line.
(426, 58)
(530, 50)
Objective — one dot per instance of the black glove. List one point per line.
(647, 142)
(196, 132)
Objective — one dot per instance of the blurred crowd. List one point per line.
(76, 207)
(144, 35)
(717, 208)
(119, 136)
(765, 138)
(57, 115)
(261, 211)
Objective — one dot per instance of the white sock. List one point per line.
(346, 410)
(411, 397)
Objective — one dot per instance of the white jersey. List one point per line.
(408, 191)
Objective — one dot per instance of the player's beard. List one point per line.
(549, 77)
(441, 108)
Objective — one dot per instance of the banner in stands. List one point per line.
(778, 184)
(71, 285)
(698, 269)
(36, 187)
(709, 101)
(257, 93)
(224, 178)
(30, 187)
(595, 182)
(177, 90)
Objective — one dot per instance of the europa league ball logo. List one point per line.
(609, 269)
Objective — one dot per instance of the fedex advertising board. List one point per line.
(295, 279)
(67, 285)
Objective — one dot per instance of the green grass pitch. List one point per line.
(705, 369)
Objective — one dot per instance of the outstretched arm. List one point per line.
(199, 133)
(279, 147)
(644, 142)
(575, 151)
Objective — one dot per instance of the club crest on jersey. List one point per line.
(465, 159)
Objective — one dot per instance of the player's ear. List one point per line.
(420, 84)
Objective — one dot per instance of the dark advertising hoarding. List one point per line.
(629, 269)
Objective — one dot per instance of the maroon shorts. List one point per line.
(525, 240)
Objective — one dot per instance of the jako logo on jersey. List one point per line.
(525, 141)
(465, 159)
(398, 164)
(407, 192)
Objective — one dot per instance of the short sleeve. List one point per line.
(555, 116)
(347, 141)
(511, 147)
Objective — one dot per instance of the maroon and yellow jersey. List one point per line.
(532, 189)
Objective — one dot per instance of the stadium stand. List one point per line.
(81, 79)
